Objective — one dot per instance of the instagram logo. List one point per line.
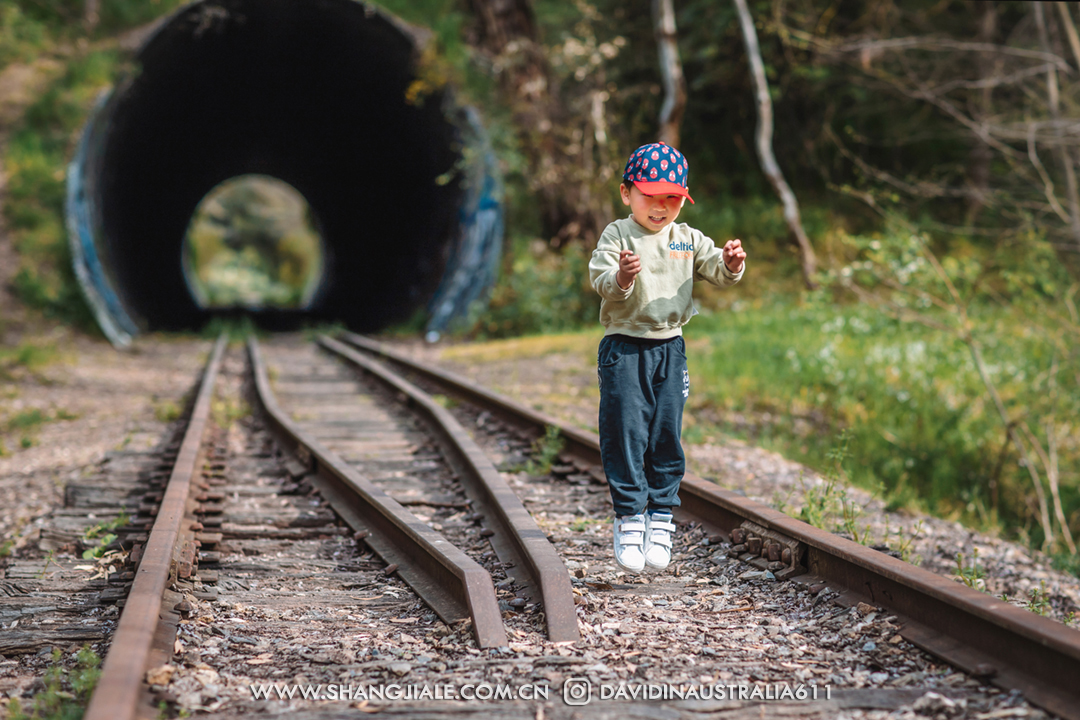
(577, 691)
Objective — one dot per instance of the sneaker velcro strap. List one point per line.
(632, 539)
(661, 539)
(661, 525)
(632, 526)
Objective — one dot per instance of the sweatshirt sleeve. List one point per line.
(709, 262)
(604, 266)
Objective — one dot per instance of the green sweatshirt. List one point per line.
(660, 299)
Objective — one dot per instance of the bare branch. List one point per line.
(920, 294)
(1070, 30)
(895, 310)
(991, 82)
(946, 45)
(922, 189)
(1048, 184)
(1064, 156)
(1047, 132)
(980, 130)
(1049, 462)
(1044, 509)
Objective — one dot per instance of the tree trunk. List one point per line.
(981, 153)
(1070, 31)
(1064, 153)
(764, 146)
(570, 210)
(671, 113)
(91, 14)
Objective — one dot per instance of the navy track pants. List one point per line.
(643, 388)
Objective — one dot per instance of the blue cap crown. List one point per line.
(657, 169)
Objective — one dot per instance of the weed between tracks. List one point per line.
(66, 691)
(971, 575)
(26, 424)
(99, 537)
(166, 411)
(544, 451)
(226, 411)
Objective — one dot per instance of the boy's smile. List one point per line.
(652, 212)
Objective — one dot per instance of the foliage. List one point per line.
(540, 291)
(827, 505)
(788, 373)
(27, 354)
(544, 451)
(971, 575)
(67, 691)
(98, 537)
(1011, 317)
(167, 411)
(233, 327)
(227, 410)
(1040, 600)
(31, 27)
(942, 111)
(21, 36)
(34, 201)
(252, 243)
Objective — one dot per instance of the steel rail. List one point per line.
(453, 584)
(983, 635)
(518, 541)
(120, 686)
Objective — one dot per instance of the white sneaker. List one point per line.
(658, 540)
(630, 542)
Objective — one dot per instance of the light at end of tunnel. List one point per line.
(253, 243)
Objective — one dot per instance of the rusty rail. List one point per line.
(121, 684)
(532, 561)
(453, 584)
(984, 636)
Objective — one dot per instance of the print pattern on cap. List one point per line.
(657, 168)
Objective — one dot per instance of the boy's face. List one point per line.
(652, 212)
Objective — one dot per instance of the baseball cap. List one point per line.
(658, 169)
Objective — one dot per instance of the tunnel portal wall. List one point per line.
(315, 93)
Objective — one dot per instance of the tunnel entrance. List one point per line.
(322, 95)
(252, 244)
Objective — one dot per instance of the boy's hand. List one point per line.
(629, 267)
(734, 255)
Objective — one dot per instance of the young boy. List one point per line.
(644, 268)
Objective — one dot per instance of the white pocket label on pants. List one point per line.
(686, 383)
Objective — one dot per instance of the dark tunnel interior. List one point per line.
(312, 92)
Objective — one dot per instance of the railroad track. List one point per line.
(414, 489)
(986, 637)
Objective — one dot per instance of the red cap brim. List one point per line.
(663, 187)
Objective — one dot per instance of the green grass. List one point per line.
(791, 375)
(545, 450)
(226, 411)
(26, 355)
(26, 423)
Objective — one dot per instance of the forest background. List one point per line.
(933, 332)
